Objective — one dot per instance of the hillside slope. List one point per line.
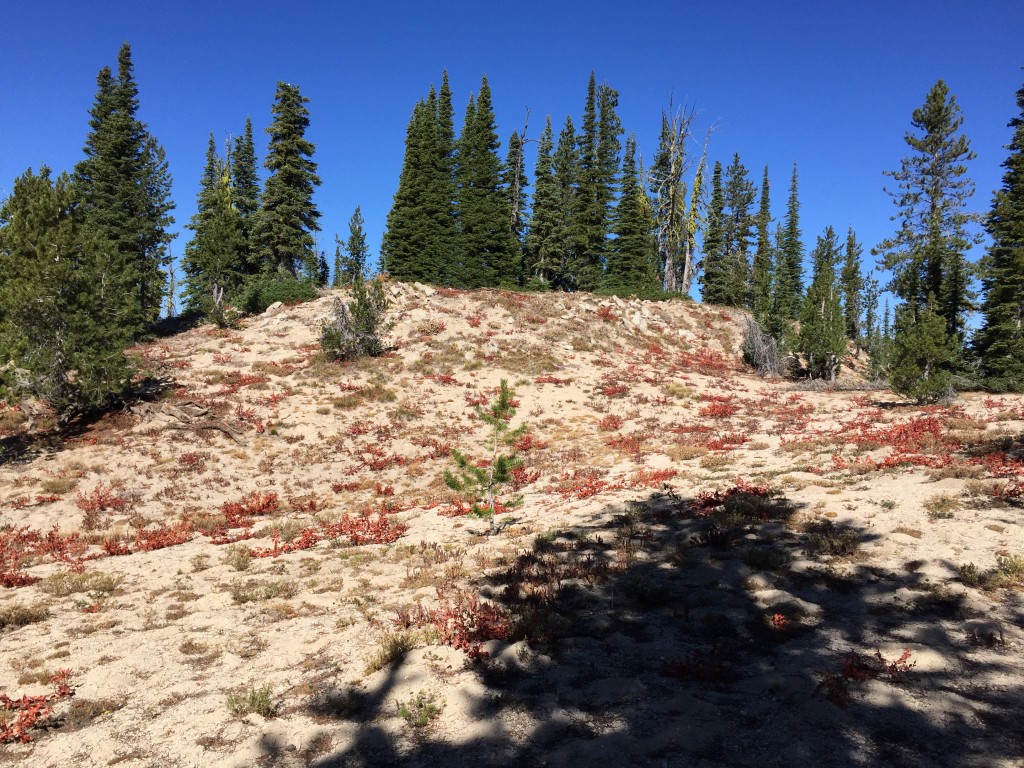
(701, 570)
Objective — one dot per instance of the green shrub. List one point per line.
(260, 291)
(357, 327)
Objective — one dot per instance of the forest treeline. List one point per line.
(85, 267)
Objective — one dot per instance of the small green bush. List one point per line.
(357, 326)
(257, 700)
(260, 291)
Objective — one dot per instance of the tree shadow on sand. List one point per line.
(715, 631)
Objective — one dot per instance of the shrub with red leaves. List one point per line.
(32, 711)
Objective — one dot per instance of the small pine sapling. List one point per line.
(479, 485)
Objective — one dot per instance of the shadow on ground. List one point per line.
(655, 637)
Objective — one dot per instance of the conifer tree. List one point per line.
(599, 147)
(853, 287)
(714, 280)
(737, 224)
(677, 223)
(288, 217)
(245, 194)
(214, 261)
(761, 274)
(487, 247)
(928, 254)
(543, 219)
(124, 186)
(350, 259)
(789, 285)
(1000, 340)
(822, 340)
(922, 356)
(632, 258)
(563, 265)
(514, 182)
(59, 318)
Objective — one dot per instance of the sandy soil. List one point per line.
(705, 569)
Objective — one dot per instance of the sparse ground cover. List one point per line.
(263, 565)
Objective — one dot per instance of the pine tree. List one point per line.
(677, 223)
(921, 352)
(789, 285)
(124, 189)
(928, 255)
(544, 216)
(714, 280)
(737, 224)
(214, 262)
(419, 243)
(822, 340)
(599, 147)
(1000, 340)
(59, 322)
(514, 182)
(246, 196)
(350, 259)
(288, 217)
(632, 259)
(852, 287)
(761, 275)
(488, 249)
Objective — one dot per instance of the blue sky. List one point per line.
(828, 85)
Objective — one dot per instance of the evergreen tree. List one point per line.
(543, 221)
(761, 275)
(288, 217)
(927, 255)
(1000, 340)
(124, 189)
(245, 194)
(853, 287)
(737, 224)
(563, 265)
(822, 340)
(715, 279)
(350, 259)
(632, 260)
(789, 285)
(677, 225)
(599, 147)
(921, 353)
(488, 249)
(514, 181)
(214, 261)
(59, 322)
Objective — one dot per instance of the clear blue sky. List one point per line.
(829, 85)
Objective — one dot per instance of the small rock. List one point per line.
(273, 309)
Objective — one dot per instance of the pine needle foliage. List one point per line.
(357, 327)
(480, 485)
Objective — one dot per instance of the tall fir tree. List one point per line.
(789, 283)
(599, 147)
(737, 224)
(563, 269)
(350, 258)
(1000, 340)
(764, 258)
(214, 262)
(544, 214)
(714, 281)
(246, 195)
(288, 217)
(852, 284)
(822, 338)
(489, 252)
(514, 182)
(677, 222)
(124, 189)
(632, 258)
(60, 323)
(928, 254)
